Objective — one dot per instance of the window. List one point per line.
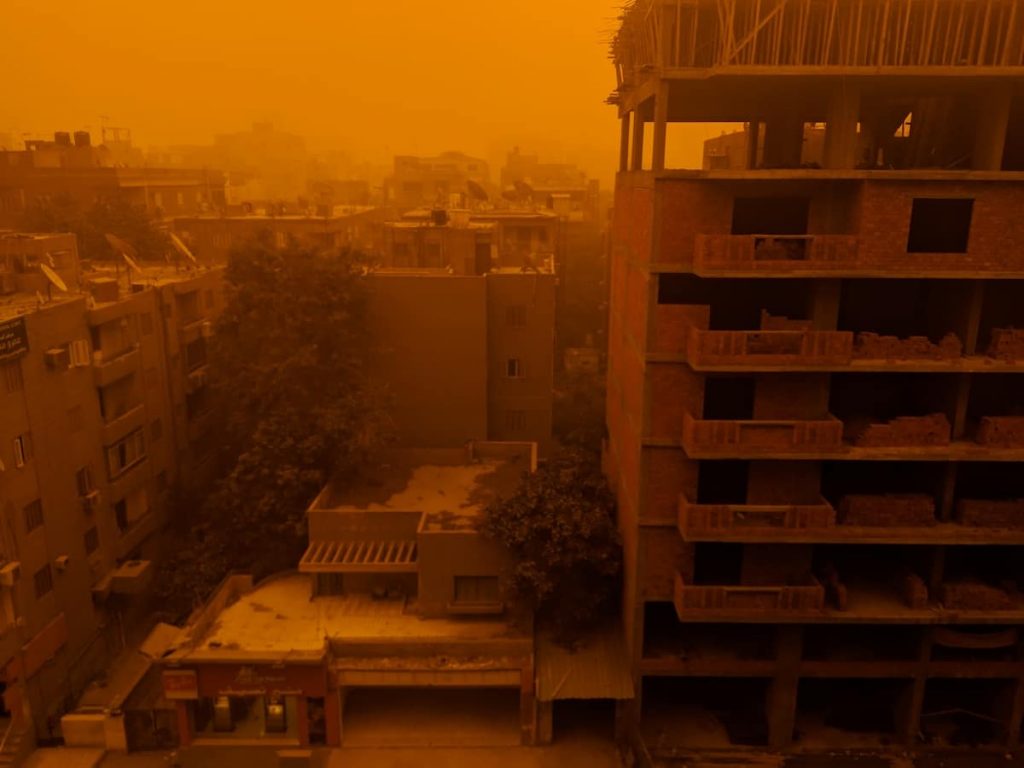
(92, 540)
(121, 515)
(515, 316)
(22, 449)
(83, 480)
(125, 453)
(513, 368)
(477, 589)
(43, 580)
(33, 515)
(146, 322)
(515, 421)
(156, 430)
(940, 225)
(11, 377)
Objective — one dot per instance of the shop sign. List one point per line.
(13, 338)
(180, 684)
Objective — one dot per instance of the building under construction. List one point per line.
(815, 402)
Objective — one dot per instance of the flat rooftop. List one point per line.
(448, 489)
(281, 617)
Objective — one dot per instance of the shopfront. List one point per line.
(253, 704)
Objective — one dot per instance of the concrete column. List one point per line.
(624, 143)
(528, 706)
(302, 717)
(824, 309)
(660, 126)
(993, 118)
(545, 722)
(783, 141)
(753, 143)
(841, 128)
(184, 723)
(781, 705)
(638, 141)
(1013, 724)
(332, 717)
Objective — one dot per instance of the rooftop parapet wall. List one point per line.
(820, 34)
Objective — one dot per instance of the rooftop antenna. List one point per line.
(181, 248)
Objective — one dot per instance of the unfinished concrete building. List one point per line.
(814, 394)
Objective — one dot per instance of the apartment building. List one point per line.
(433, 181)
(72, 166)
(814, 386)
(212, 237)
(101, 409)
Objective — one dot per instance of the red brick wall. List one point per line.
(665, 474)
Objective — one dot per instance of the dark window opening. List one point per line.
(718, 564)
(770, 215)
(728, 397)
(940, 226)
(722, 482)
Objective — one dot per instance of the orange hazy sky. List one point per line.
(375, 77)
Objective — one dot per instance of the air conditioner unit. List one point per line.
(61, 562)
(58, 358)
(10, 573)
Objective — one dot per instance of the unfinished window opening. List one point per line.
(969, 643)
(991, 481)
(722, 482)
(966, 713)
(994, 415)
(869, 406)
(982, 578)
(1001, 327)
(770, 215)
(887, 315)
(883, 577)
(665, 637)
(884, 493)
(728, 397)
(865, 713)
(824, 642)
(940, 225)
(739, 305)
(705, 712)
(716, 564)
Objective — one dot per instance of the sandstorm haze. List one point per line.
(373, 79)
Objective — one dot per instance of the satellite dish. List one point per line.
(54, 278)
(181, 248)
(122, 246)
(132, 264)
(476, 191)
(524, 189)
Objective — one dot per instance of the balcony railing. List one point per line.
(774, 253)
(692, 601)
(703, 437)
(703, 520)
(712, 349)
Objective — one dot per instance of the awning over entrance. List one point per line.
(360, 556)
(597, 669)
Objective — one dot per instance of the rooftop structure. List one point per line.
(433, 181)
(813, 389)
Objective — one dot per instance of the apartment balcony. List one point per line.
(768, 350)
(733, 438)
(763, 522)
(140, 530)
(119, 425)
(708, 603)
(109, 367)
(775, 255)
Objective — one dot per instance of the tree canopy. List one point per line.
(112, 215)
(559, 527)
(293, 405)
